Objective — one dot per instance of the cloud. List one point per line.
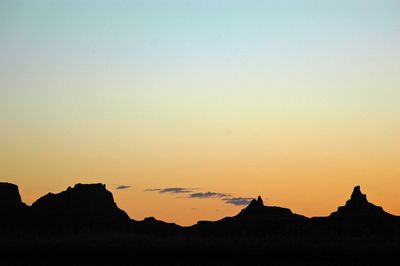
(176, 190)
(238, 201)
(208, 195)
(227, 198)
(122, 187)
(172, 190)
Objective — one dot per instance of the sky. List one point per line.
(187, 109)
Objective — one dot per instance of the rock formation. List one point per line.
(87, 207)
(257, 207)
(256, 203)
(11, 206)
(358, 205)
(82, 205)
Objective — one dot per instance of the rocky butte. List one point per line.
(11, 206)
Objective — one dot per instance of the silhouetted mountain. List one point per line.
(83, 206)
(358, 205)
(254, 219)
(257, 210)
(357, 217)
(12, 209)
(84, 222)
(10, 199)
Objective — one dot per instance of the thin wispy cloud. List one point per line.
(122, 187)
(238, 201)
(208, 195)
(176, 190)
(192, 194)
(172, 190)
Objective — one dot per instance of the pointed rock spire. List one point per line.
(357, 195)
(358, 205)
(256, 204)
(260, 201)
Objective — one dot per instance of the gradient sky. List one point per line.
(297, 101)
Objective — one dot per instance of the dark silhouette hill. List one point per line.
(83, 206)
(12, 209)
(358, 217)
(10, 199)
(255, 219)
(358, 205)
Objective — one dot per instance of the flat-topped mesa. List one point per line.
(84, 204)
(11, 206)
(358, 205)
(9, 195)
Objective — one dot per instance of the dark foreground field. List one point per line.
(116, 249)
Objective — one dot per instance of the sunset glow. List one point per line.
(296, 101)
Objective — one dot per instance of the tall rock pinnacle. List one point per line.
(358, 205)
(357, 196)
(256, 203)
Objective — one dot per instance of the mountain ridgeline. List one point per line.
(91, 208)
(83, 225)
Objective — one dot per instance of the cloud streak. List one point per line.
(192, 194)
(237, 201)
(122, 187)
(172, 190)
(208, 195)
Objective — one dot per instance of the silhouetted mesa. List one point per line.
(84, 205)
(358, 205)
(12, 208)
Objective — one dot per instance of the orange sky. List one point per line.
(290, 100)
